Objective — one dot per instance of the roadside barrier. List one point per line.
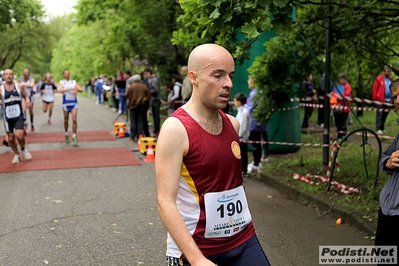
(324, 179)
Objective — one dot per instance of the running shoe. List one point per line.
(75, 141)
(16, 159)
(49, 122)
(32, 128)
(66, 139)
(27, 155)
(252, 168)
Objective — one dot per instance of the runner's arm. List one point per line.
(172, 145)
(42, 90)
(24, 95)
(60, 88)
(78, 88)
(31, 83)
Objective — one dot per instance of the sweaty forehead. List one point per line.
(217, 63)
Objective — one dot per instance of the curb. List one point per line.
(323, 203)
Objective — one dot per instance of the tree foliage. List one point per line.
(219, 22)
(132, 33)
(24, 35)
(364, 36)
(359, 49)
(19, 11)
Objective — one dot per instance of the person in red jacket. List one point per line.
(381, 93)
(339, 106)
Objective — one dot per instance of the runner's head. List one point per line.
(47, 77)
(26, 73)
(66, 74)
(8, 76)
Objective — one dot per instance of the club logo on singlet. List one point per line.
(235, 148)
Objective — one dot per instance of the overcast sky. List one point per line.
(58, 7)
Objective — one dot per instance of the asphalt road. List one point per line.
(108, 216)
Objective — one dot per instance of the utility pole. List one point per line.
(326, 131)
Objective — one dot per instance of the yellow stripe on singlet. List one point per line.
(190, 182)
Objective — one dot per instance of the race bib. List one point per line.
(70, 97)
(13, 111)
(226, 212)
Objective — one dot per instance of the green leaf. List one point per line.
(215, 14)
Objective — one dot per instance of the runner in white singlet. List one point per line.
(69, 88)
(28, 83)
(47, 89)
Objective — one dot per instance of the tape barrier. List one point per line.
(349, 98)
(356, 108)
(308, 178)
(287, 143)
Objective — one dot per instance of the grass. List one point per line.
(358, 163)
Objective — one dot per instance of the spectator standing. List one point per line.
(308, 88)
(243, 118)
(258, 132)
(89, 88)
(380, 92)
(122, 92)
(136, 95)
(177, 87)
(187, 87)
(340, 107)
(197, 163)
(322, 94)
(146, 108)
(388, 214)
(115, 94)
(155, 88)
(169, 103)
(99, 89)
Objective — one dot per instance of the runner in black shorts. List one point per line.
(48, 89)
(11, 97)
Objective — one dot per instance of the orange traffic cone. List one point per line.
(121, 132)
(150, 156)
(138, 142)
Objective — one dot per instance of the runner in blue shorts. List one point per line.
(69, 88)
